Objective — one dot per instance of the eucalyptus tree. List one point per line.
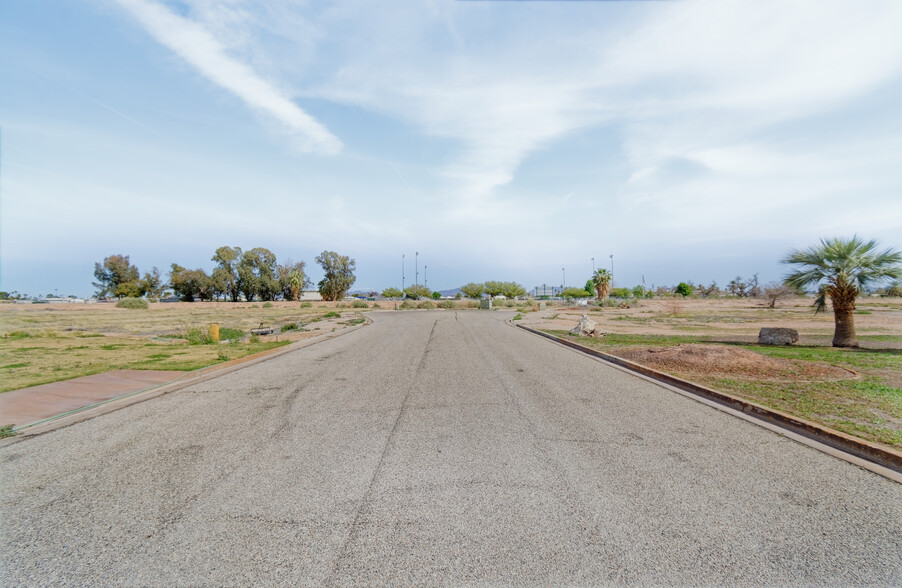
(841, 269)
(339, 275)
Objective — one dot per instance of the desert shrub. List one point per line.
(332, 314)
(510, 303)
(133, 303)
(575, 293)
(683, 289)
(341, 305)
(407, 304)
(894, 290)
(289, 327)
(255, 339)
(468, 303)
(267, 305)
(306, 305)
(356, 321)
(427, 304)
(230, 334)
(674, 306)
(7, 431)
(376, 305)
(448, 304)
(359, 304)
(621, 292)
(518, 317)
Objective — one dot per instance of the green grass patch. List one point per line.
(230, 334)
(15, 335)
(14, 365)
(7, 431)
(332, 314)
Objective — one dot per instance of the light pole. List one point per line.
(564, 278)
(593, 265)
(402, 275)
(612, 270)
(416, 269)
(425, 280)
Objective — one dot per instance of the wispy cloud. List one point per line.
(202, 50)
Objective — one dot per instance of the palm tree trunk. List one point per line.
(844, 335)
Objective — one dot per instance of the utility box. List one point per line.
(486, 304)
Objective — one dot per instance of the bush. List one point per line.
(341, 305)
(518, 317)
(332, 314)
(427, 304)
(198, 336)
(436, 295)
(683, 289)
(289, 327)
(133, 303)
(407, 304)
(448, 304)
(359, 304)
(468, 304)
(267, 305)
(376, 305)
(306, 305)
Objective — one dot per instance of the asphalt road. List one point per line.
(437, 448)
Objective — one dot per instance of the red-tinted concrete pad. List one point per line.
(30, 405)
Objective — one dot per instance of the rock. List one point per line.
(777, 336)
(585, 328)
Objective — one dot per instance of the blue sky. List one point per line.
(501, 140)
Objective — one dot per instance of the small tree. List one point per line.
(472, 290)
(602, 281)
(225, 276)
(190, 284)
(841, 269)
(575, 293)
(152, 285)
(512, 289)
(339, 278)
(436, 295)
(292, 279)
(417, 291)
(493, 288)
(774, 291)
(116, 276)
(683, 289)
(392, 293)
(894, 290)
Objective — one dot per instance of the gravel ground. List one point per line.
(437, 448)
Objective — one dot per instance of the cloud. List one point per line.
(199, 47)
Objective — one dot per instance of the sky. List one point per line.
(480, 140)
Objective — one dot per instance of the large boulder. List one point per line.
(585, 328)
(777, 336)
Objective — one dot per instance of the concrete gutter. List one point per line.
(189, 379)
(882, 460)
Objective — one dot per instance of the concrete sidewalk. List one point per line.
(30, 405)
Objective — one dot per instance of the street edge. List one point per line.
(882, 460)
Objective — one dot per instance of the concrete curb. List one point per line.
(866, 451)
(189, 379)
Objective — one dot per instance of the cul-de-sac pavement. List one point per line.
(435, 448)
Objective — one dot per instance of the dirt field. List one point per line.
(43, 343)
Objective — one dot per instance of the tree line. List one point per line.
(250, 275)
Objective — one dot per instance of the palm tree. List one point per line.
(841, 269)
(602, 281)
